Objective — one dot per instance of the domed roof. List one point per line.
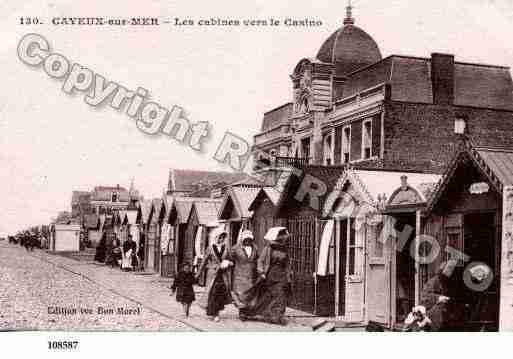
(349, 48)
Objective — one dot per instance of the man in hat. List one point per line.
(244, 258)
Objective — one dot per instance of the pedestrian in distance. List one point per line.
(101, 249)
(117, 253)
(183, 286)
(140, 254)
(126, 261)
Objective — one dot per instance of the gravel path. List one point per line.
(37, 295)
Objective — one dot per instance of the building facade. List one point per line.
(351, 106)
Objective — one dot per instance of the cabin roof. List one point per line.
(241, 197)
(131, 216)
(145, 209)
(496, 164)
(207, 212)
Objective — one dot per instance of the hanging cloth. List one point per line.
(324, 248)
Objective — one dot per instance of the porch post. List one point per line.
(506, 263)
(417, 263)
(337, 266)
(333, 146)
(316, 258)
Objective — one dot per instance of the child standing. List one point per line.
(183, 286)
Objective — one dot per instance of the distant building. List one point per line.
(80, 203)
(105, 199)
(192, 183)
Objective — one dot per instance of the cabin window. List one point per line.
(352, 270)
(454, 245)
(367, 139)
(171, 244)
(377, 243)
(327, 150)
(346, 144)
(355, 257)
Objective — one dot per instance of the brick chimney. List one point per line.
(442, 78)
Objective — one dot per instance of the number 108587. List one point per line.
(62, 345)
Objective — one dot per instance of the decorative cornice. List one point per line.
(354, 115)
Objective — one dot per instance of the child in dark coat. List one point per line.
(183, 286)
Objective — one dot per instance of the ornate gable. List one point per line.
(312, 86)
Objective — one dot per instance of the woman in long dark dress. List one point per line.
(274, 270)
(217, 293)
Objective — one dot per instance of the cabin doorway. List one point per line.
(180, 246)
(405, 267)
(481, 245)
(234, 232)
(341, 247)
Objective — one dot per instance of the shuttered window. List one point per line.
(346, 144)
(305, 148)
(327, 150)
(367, 139)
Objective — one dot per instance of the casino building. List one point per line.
(352, 106)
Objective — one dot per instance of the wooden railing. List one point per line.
(291, 162)
(280, 162)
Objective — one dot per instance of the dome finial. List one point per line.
(349, 20)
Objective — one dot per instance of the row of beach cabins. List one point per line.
(341, 265)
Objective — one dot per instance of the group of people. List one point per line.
(28, 240)
(257, 281)
(128, 256)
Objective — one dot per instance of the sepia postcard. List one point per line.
(256, 166)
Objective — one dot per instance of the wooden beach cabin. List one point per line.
(358, 266)
(472, 211)
(234, 210)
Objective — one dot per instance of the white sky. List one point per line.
(52, 143)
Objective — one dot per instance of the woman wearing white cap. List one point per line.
(273, 268)
(217, 293)
(244, 257)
